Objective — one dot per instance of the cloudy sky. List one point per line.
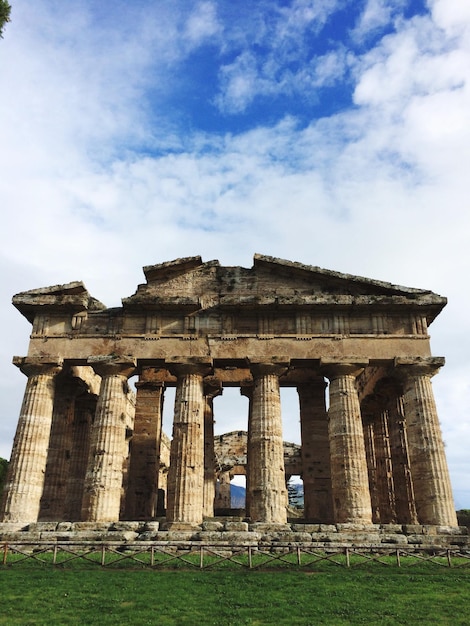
(335, 133)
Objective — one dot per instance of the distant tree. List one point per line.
(295, 494)
(463, 517)
(3, 473)
(5, 10)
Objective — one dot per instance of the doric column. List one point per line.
(60, 446)
(267, 483)
(85, 409)
(142, 487)
(384, 469)
(212, 389)
(224, 500)
(25, 480)
(404, 491)
(351, 497)
(316, 470)
(186, 473)
(247, 391)
(369, 442)
(108, 446)
(433, 492)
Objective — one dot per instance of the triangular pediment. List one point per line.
(329, 281)
(192, 283)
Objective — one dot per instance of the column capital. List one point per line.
(112, 365)
(312, 380)
(212, 387)
(418, 366)
(152, 373)
(149, 384)
(335, 367)
(34, 365)
(275, 366)
(181, 366)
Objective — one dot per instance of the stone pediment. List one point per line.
(71, 296)
(192, 284)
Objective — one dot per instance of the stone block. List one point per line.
(306, 528)
(64, 526)
(391, 528)
(40, 527)
(151, 526)
(236, 526)
(176, 535)
(415, 539)
(212, 526)
(298, 537)
(327, 528)
(91, 526)
(8, 527)
(126, 526)
(394, 539)
(20, 536)
(412, 529)
(263, 527)
(351, 527)
(147, 535)
(451, 530)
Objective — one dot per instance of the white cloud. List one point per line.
(202, 23)
(91, 193)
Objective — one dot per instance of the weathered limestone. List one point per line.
(267, 482)
(142, 489)
(211, 390)
(108, 446)
(404, 492)
(316, 469)
(433, 493)
(223, 497)
(85, 409)
(60, 444)
(186, 475)
(98, 457)
(25, 479)
(351, 497)
(384, 470)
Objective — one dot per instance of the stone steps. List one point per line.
(238, 533)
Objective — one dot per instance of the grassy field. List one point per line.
(374, 594)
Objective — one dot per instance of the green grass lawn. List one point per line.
(374, 594)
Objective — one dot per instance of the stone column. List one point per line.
(404, 491)
(186, 473)
(267, 483)
(211, 390)
(351, 497)
(25, 480)
(85, 409)
(108, 446)
(433, 492)
(316, 469)
(368, 431)
(142, 489)
(60, 446)
(247, 391)
(224, 500)
(384, 469)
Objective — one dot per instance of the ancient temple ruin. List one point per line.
(357, 351)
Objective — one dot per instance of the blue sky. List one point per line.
(333, 133)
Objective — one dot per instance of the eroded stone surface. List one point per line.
(87, 450)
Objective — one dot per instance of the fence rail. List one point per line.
(187, 555)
